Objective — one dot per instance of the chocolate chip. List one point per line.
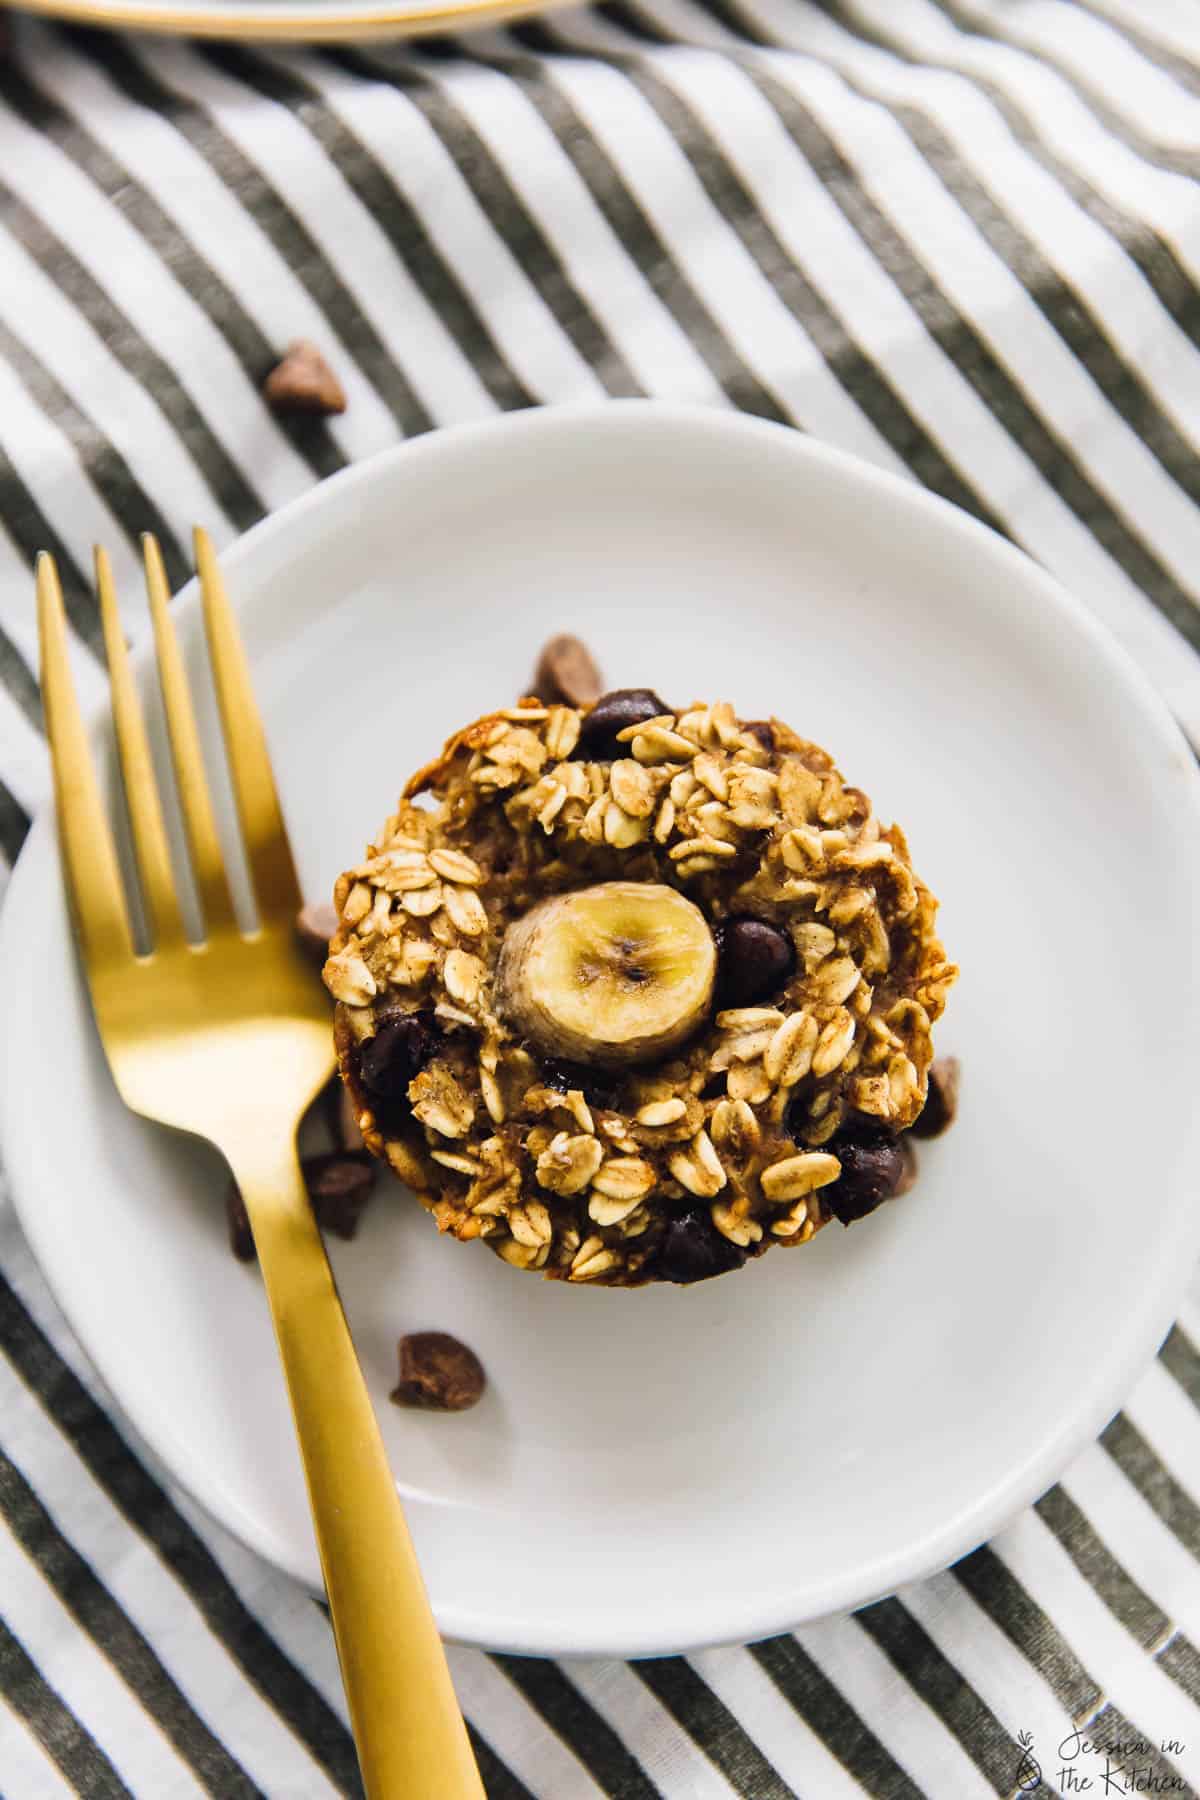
(315, 925)
(872, 1170)
(753, 960)
(241, 1238)
(762, 730)
(438, 1372)
(612, 713)
(566, 673)
(399, 1050)
(339, 1186)
(563, 1076)
(303, 382)
(693, 1249)
(912, 1167)
(941, 1100)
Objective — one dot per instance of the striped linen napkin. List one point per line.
(960, 239)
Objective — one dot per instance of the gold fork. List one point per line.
(230, 1038)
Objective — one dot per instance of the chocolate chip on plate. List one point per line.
(339, 1186)
(566, 672)
(941, 1100)
(612, 713)
(753, 960)
(693, 1249)
(315, 925)
(303, 382)
(912, 1167)
(873, 1168)
(399, 1050)
(241, 1238)
(438, 1372)
(341, 1115)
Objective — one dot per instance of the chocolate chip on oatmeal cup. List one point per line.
(755, 958)
(633, 994)
(873, 1168)
(601, 725)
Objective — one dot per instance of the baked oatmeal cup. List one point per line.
(633, 995)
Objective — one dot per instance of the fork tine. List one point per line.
(89, 855)
(267, 848)
(137, 771)
(208, 864)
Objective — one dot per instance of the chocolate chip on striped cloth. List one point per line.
(303, 382)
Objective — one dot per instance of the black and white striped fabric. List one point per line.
(960, 239)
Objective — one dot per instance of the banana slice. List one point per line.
(614, 974)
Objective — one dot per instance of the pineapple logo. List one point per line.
(1029, 1773)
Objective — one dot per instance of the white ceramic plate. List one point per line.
(674, 1467)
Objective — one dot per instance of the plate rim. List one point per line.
(1093, 1405)
(326, 21)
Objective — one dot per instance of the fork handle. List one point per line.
(410, 1734)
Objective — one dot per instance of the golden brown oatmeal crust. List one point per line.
(580, 1173)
